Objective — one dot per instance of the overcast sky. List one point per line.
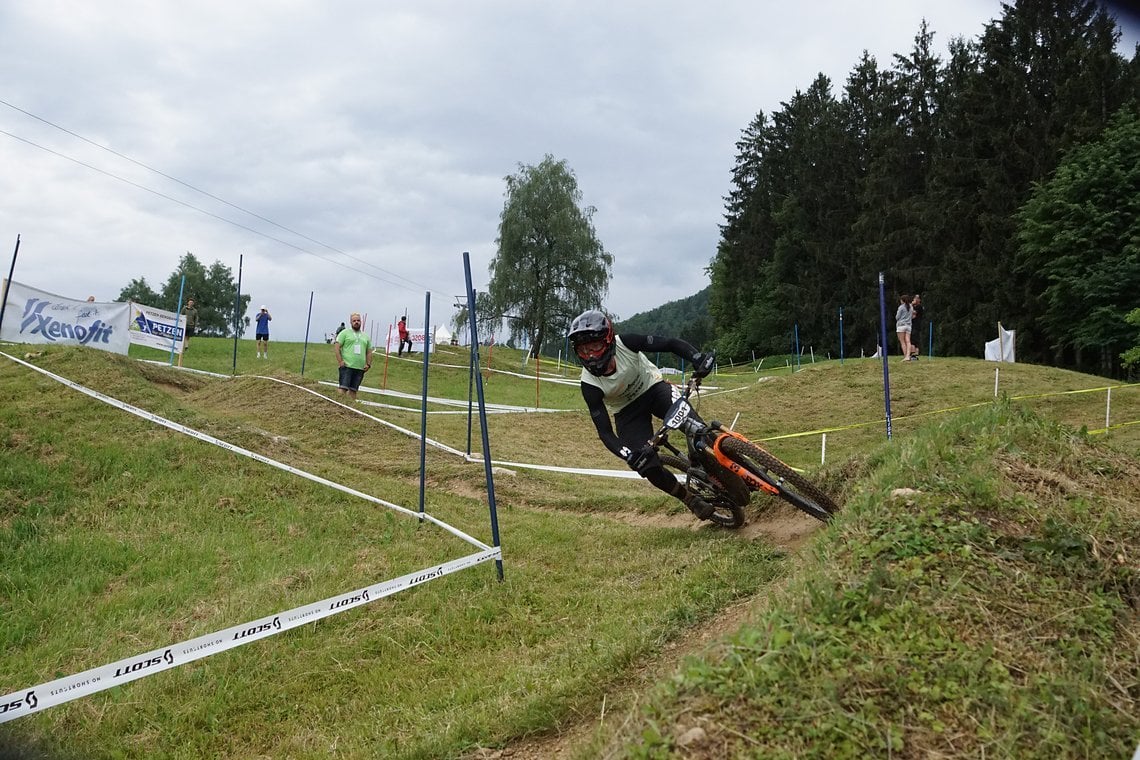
(370, 139)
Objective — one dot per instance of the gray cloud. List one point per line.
(384, 130)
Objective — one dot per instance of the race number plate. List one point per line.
(678, 414)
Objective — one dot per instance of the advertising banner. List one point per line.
(35, 316)
(416, 334)
(156, 328)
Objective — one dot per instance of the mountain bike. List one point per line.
(724, 468)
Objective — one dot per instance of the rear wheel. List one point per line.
(727, 501)
(793, 487)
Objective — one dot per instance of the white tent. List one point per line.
(1001, 349)
(442, 335)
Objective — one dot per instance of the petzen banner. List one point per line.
(156, 328)
(33, 316)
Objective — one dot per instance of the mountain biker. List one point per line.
(617, 378)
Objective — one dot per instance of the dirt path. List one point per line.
(781, 526)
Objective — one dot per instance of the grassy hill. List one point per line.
(993, 607)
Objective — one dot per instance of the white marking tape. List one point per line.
(606, 473)
(452, 401)
(48, 694)
(251, 454)
(547, 378)
(470, 458)
(416, 409)
(52, 693)
(552, 468)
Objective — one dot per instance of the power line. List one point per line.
(208, 195)
(195, 208)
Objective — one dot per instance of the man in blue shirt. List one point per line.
(262, 334)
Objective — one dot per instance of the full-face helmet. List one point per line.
(592, 334)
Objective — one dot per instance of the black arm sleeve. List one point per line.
(601, 417)
(650, 343)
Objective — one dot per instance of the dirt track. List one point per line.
(781, 526)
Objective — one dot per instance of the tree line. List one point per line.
(1003, 184)
(213, 290)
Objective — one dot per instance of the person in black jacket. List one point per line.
(917, 311)
(617, 378)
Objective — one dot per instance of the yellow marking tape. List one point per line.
(882, 421)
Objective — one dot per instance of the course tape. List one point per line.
(61, 690)
(468, 457)
(42, 696)
(416, 409)
(451, 401)
(548, 378)
(177, 427)
(607, 473)
(956, 409)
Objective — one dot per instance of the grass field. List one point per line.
(117, 537)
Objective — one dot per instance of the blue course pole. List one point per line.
(470, 382)
(797, 332)
(482, 411)
(840, 336)
(884, 352)
(8, 284)
(237, 313)
(308, 323)
(930, 343)
(423, 402)
(177, 321)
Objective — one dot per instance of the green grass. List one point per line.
(117, 537)
(991, 613)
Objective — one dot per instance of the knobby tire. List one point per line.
(729, 510)
(793, 487)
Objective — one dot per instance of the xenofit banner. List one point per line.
(33, 316)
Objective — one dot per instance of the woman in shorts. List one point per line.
(903, 318)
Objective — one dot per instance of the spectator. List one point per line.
(916, 312)
(903, 316)
(262, 334)
(190, 312)
(353, 352)
(402, 326)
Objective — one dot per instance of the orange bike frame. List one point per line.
(733, 467)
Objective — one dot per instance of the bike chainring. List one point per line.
(699, 482)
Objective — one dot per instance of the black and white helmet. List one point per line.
(592, 334)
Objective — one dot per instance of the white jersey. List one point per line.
(634, 375)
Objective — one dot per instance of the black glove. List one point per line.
(703, 364)
(642, 459)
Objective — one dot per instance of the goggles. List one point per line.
(591, 349)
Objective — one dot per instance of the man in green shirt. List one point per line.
(353, 355)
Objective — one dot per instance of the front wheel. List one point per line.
(793, 487)
(726, 501)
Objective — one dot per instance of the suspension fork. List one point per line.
(732, 466)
